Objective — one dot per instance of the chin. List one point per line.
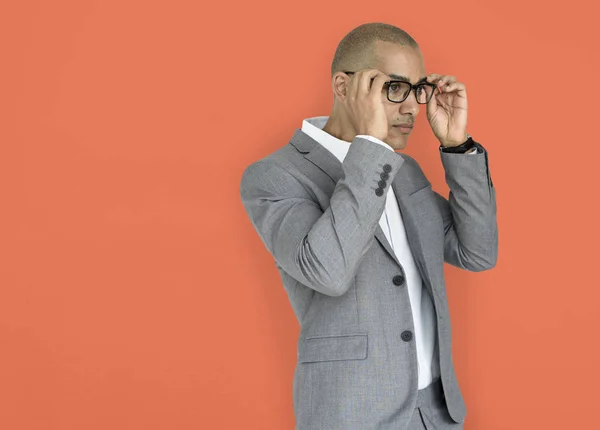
(397, 143)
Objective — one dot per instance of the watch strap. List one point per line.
(467, 145)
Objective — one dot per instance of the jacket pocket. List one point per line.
(333, 348)
(422, 193)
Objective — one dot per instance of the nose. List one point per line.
(410, 105)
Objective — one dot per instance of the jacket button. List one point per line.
(382, 184)
(384, 176)
(398, 280)
(387, 168)
(379, 191)
(406, 336)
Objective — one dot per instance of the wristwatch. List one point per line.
(462, 148)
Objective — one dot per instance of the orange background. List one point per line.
(134, 291)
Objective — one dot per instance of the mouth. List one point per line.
(403, 128)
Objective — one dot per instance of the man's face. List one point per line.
(402, 63)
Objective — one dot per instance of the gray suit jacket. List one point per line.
(319, 219)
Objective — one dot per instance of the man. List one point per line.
(359, 238)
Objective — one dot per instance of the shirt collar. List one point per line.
(314, 128)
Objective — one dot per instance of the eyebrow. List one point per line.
(405, 79)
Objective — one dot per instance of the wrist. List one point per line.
(452, 144)
(461, 148)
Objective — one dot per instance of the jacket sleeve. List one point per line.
(321, 249)
(469, 214)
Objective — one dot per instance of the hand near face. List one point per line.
(364, 102)
(447, 110)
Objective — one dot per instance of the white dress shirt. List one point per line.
(392, 225)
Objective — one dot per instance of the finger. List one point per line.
(431, 106)
(365, 77)
(377, 85)
(445, 82)
(454, 86)
(438, 80)
(432, 77)
(353, 87)
(446, 78)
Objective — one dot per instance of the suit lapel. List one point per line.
(408, 180)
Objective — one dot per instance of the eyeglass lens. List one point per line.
(398, 91)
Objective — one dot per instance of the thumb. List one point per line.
(431, 106)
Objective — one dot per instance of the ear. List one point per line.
(339, 84)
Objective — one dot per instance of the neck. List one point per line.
(339, 127)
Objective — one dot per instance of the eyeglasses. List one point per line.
(398, 91)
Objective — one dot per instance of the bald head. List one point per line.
(356, 51)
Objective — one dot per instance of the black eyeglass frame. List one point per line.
(412, 88)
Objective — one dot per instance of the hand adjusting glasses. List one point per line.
(398, 91)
